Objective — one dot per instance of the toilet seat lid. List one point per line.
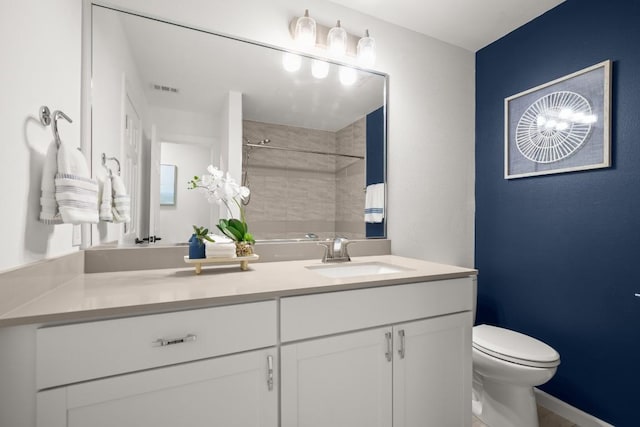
(514, 347)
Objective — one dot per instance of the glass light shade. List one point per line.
(319, 69)
(337, 40)
(366, 50)
(348, 76)
(305, 32)
(291, 62)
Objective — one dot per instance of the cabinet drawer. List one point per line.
(335, 312)
(72, 353)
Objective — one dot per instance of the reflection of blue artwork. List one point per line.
(167, 185)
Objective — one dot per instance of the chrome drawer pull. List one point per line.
(270, 373)
(389, 353)
(161, 342)
(401, 349)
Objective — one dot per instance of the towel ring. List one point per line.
(104, 163)
(54, 124)
(46, 118)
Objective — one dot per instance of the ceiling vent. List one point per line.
(163, 88)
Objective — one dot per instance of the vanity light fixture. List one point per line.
(305, 31)
(337, 41)
(319, 68)
(366, 50)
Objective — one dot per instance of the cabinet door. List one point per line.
(340, 381)
(226, 391)
(432, 372)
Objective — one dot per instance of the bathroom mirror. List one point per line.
(307, 147)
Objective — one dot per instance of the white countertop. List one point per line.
(102, 295)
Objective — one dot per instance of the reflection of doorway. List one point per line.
(187, 157)
(154, 184)
(131, 150)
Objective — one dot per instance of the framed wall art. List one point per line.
(167, 185)
(560, 126)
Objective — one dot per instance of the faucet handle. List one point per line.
(340, 248)
(345, 251)
(328, 249)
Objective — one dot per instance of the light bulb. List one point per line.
(566, 113)
(305, 32)
(291, 62)
(337, 40)
(347, 76)
(319, 69)
(591, 118)
(366, 50)
(578, 117)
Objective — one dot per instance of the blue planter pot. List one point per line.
(196, 249)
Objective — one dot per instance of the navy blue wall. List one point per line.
(375, 161)
(558, 254)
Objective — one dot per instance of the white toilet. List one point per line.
(506, 367)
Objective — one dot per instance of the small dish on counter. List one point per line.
(243, 260)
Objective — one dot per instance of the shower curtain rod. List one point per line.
(299, 150)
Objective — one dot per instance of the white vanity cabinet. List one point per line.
(342, 380)
(388, 356)
(215, 366)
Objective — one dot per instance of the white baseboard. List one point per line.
(567, 411)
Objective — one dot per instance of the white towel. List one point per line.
(223, 247)
(374, 203)
(76, 192)
(106, 199)
(49, 212)
(121, 206)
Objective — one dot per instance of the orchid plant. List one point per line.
(221, 188)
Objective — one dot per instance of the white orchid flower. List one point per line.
(222, 189)
(215, 172)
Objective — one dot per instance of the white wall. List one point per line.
(231, 144)
(113, 62)
(431, 120)
(191, 207)
(40, 53)
(173, 125)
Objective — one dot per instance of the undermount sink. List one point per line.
(337, 271)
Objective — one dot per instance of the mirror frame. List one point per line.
(86, 98)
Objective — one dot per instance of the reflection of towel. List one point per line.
(49, 213)
(121, 206)
(222, 248)
(76, 192)
(106, 199)
(374, 203)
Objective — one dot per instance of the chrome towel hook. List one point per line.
(104, 163)
(46, 118)
(54, 124)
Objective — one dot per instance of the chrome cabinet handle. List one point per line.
(389, 353)
(270, 373)
(401, 349)
(162, 342)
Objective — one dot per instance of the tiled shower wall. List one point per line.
(350, 181)
(293, 194)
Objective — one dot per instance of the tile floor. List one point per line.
(545, 417)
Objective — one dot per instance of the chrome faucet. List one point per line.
(335, 250)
